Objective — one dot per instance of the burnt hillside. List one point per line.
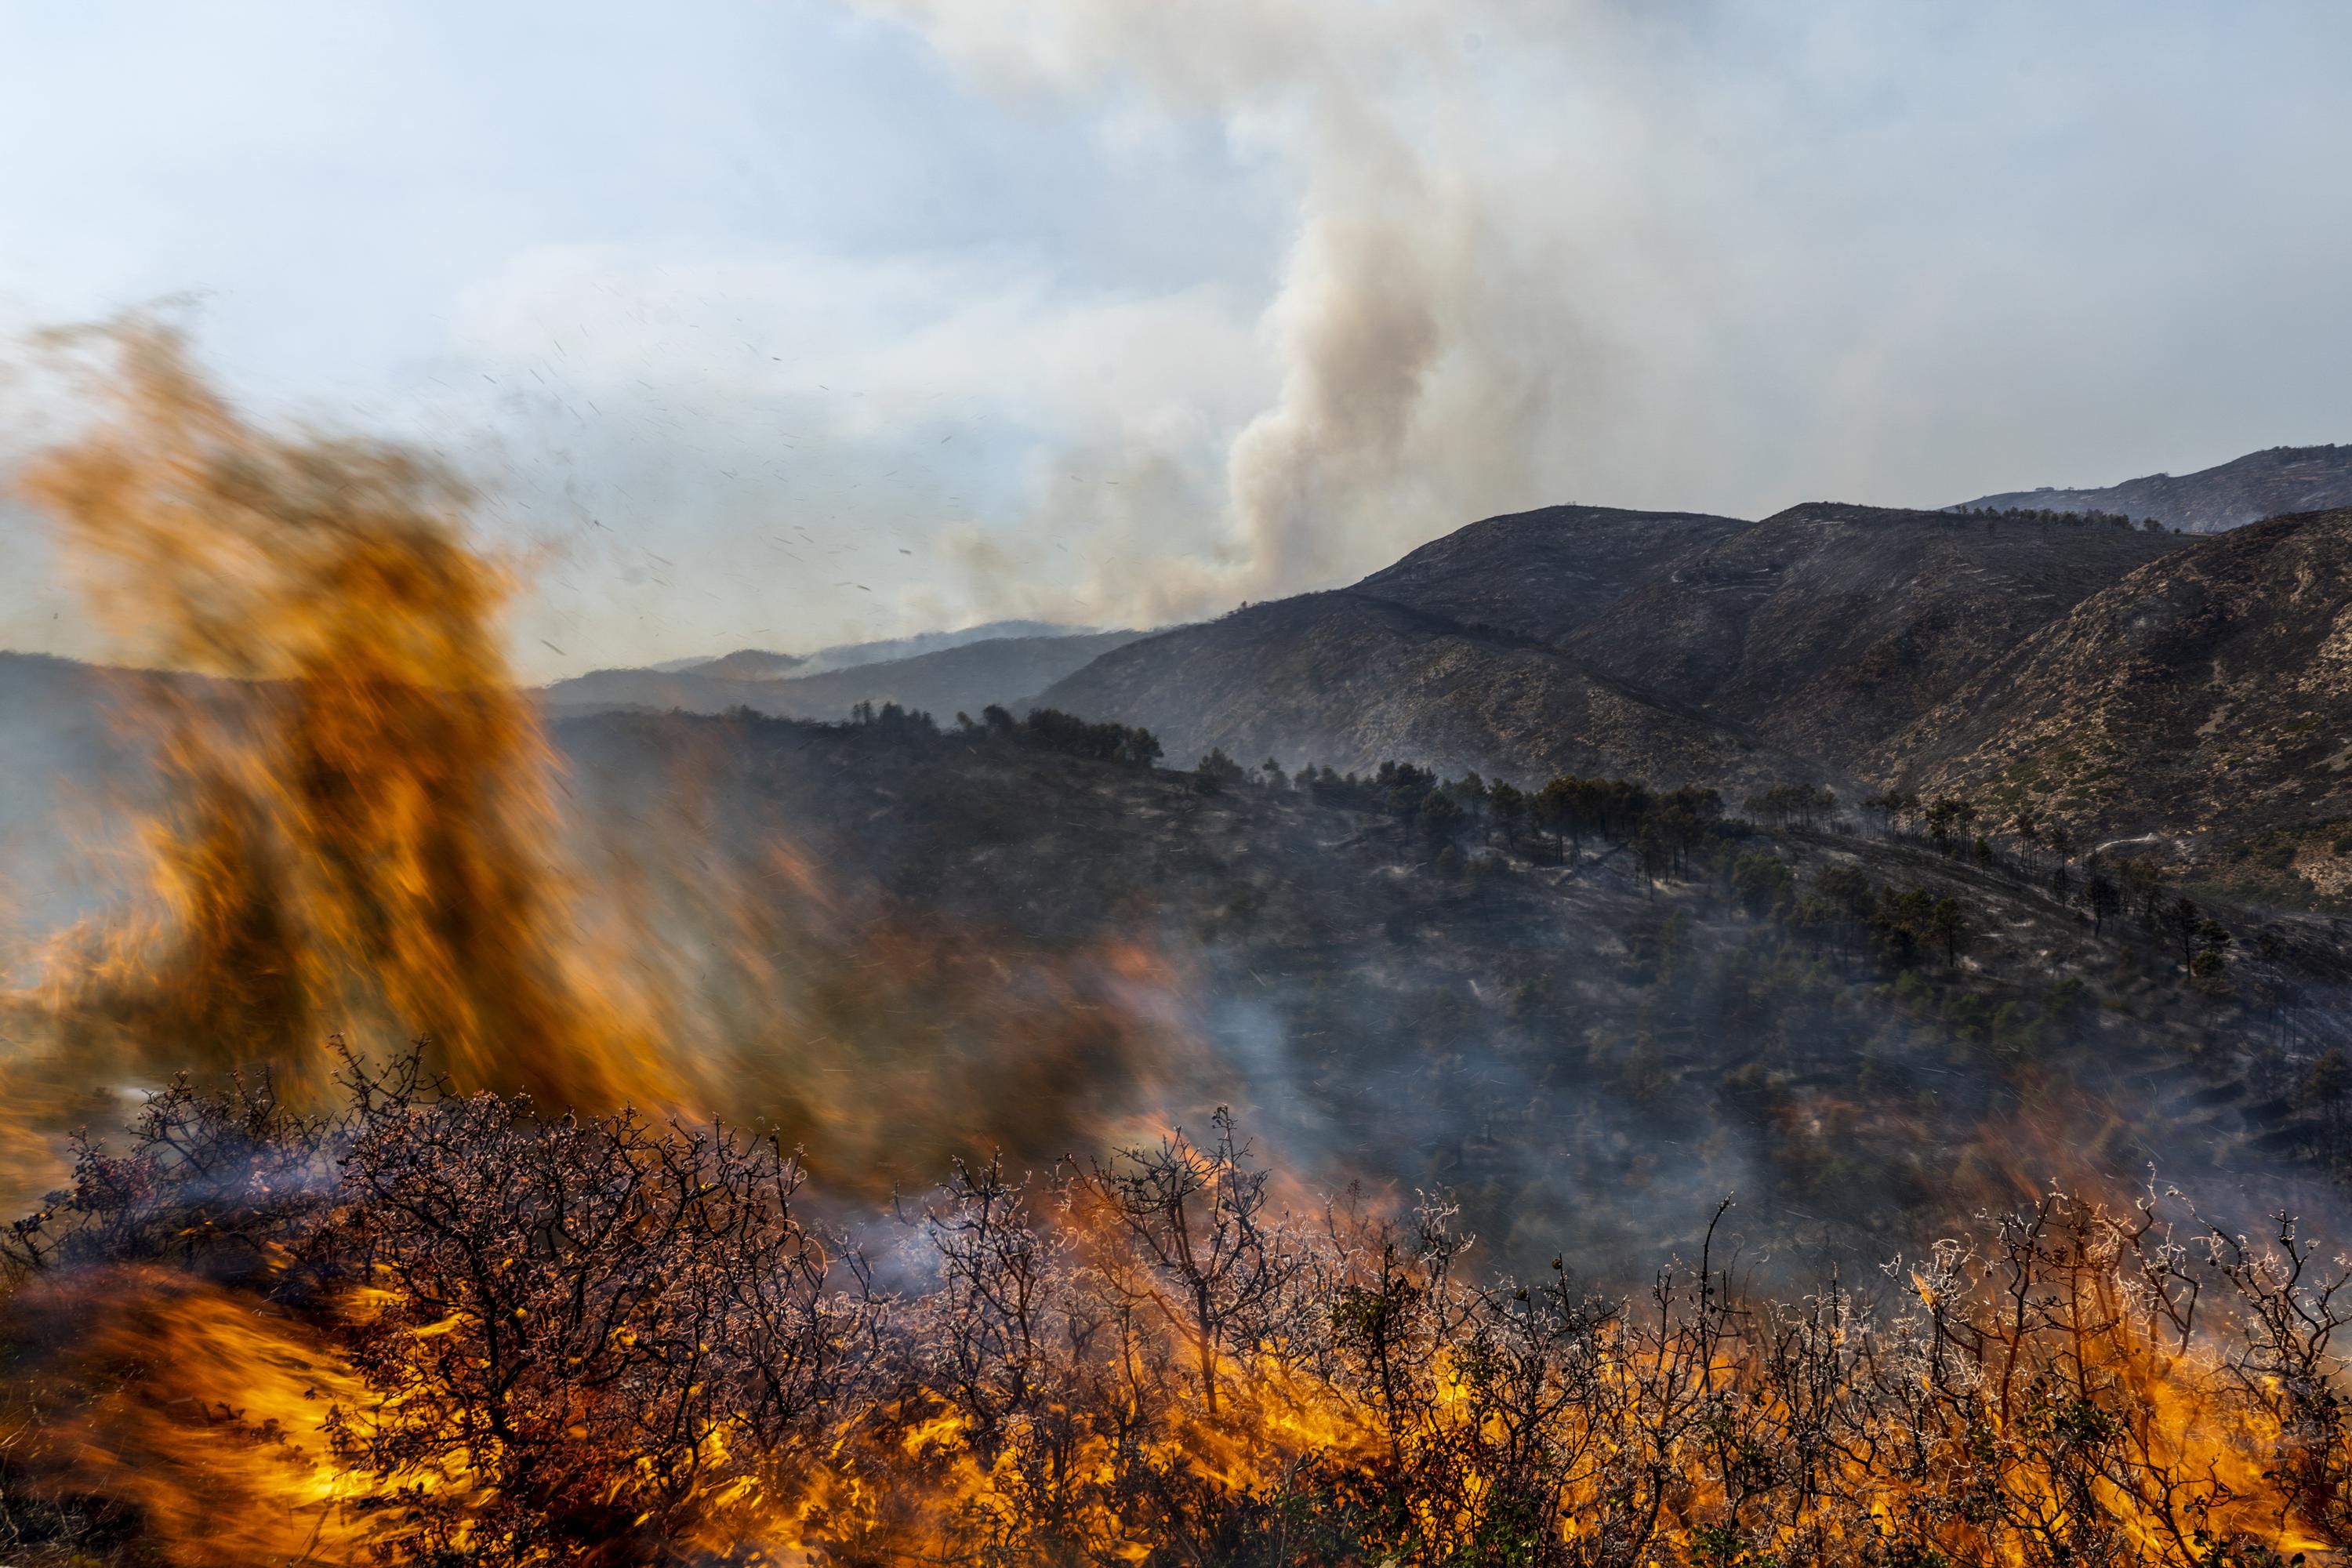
(1827, 627)
(1822, 1017)
(2271, 483)
(2204, 699)
(1348, 678)
(1666, 644)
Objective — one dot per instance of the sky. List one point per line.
(801, 322)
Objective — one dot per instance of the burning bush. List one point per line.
(528, 1338)
(609, 1333)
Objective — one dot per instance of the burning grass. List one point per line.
(446, 1328)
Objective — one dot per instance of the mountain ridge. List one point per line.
(768, 664)
(2206, 696)
(965, 677)
(1674, 646)
(2276, 482)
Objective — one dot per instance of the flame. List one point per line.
(361, 838)
(181, 1403)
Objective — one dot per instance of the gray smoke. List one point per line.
(1725, 256)
(1429, 364)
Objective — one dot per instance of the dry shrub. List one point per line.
(557, 1339)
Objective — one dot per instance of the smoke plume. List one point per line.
(1431, 363)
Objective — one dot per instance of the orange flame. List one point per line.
(363, 839)
(182, 1405)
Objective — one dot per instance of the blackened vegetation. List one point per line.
(595, 1340)
(1046, 729)
(1052, 730)
(1868, 1019)
(2091, 519)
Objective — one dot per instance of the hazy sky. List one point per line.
(792, 323)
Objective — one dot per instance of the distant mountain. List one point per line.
(57, 715)
(760, 664)
(2211, 689)
(1346, 679)
(81, 743)
(1545, 574)
(1447, 657)
(2274, 483)
(964, 677)
(743, 664)
(61, 718)
(1670, 646)
(1827, 627)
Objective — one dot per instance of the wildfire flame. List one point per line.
(361, 838)
(195, 1415)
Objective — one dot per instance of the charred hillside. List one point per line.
(1829, 627)
(1348, 678)
(1669, 646)
(1545, 575)
(2271, 483)
(2204, 698)
(1826, 1012)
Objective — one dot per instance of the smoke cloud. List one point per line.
(1426, 370)
(879, 316)
(1727, 258)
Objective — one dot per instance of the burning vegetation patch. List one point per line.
(434, 1327)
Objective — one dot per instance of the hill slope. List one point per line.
(967, 677)
(2245, 490)
(1544, 575)
(1829, 627)
(1674, 646)
(1348, 679)
(760, 664)
(1527, 1032)
(2210, 691)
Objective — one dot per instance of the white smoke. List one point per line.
(1725, 256)
(815, 322)
(1432, 364)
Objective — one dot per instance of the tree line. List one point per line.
(2045, 514)
(1671, 832)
